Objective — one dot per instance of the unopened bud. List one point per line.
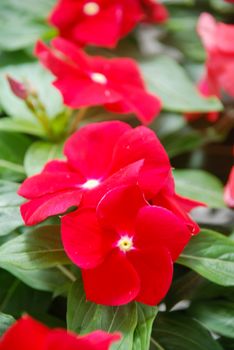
(18, 88)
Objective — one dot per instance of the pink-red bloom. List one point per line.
(218, 41)
(125, 248)
(86, 80)
(103, 22)
(29, 334)
(229, 190)
(100, 157)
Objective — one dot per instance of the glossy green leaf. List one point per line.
(145, 318)
(211, 255)
(5, 322)
(10, 217)
(22, 23)
(39, 153)
(167, 79)
(22, 126)
(40, 248)
(176, 332)
(84, 316)
(199, 185)
(217, 316)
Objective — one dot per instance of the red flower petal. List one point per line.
(155, 269)
(229, 190)
(90, 149)
(25, 334)
(41, 208)
(119, 208)
(115, 282)
(156, 226)
(83, 239)
(61, 340)
(48, 183)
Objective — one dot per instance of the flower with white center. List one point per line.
(91, 8)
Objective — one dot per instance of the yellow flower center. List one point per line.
(99, 78)
(125, 244)
(91, 8)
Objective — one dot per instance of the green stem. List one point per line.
(67, 273)
(156, 344)
(9, 294)
(77, 119)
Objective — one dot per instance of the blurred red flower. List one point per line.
(218, 41)
(103, 22)
(100, 157)
(29, 334)
(125, 248)
(86, 80)
(229, 190)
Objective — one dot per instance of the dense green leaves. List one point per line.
(169, 81)
(199, 185)
(39, 154)
(41, 248)
(176, 332)
(5, 322)
(134, 321)
(217, 316)
(211, 255)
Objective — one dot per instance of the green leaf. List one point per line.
(22, 23)
(22, 126)
(40, 248)
(10, 217)
(39, 153)
(199, 185)
(167, 79)
(217, 316)
(176, 332)
(5, 322)
(84, 316)
(40, 80)
(211, 255)
(145, 318)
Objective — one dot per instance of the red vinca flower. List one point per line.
(154, 11)
(103, 22)
(229, 190)
(218, 41)
(125, 248)
(100, 157)
(86, 80)
(29, 334)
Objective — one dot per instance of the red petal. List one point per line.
(126, 176)
(25, 334)
(229, 190)
(115, 282)
(61, 340)
(48, 183)
(155, 270)
(41, 208)
(119, 207)
(90, 149)
(156, 226)
(84, 241)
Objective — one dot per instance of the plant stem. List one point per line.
(156, 344)
(77, 119)
(67, 273)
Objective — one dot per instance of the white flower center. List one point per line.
(90, 184)
(91, 8)
(125, 244)
(99, 78)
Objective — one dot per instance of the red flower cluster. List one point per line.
(218, 41)
(103, 22)
(86, 80)
(130, 225)
(28, 334)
